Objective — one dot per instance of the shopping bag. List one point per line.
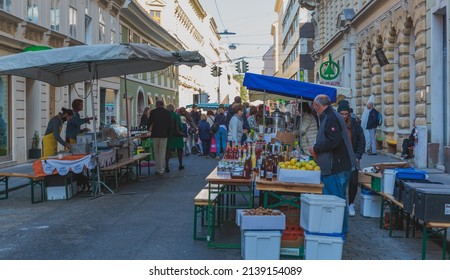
(213, 145)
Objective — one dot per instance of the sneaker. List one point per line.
(351, 210)
(181, 167)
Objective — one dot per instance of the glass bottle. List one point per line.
(269, 169)
(262, 169)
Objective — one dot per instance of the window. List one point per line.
(88, 7)
(33, 11)
(54, 15)
(88, 29)
(4, 117)
(101, 27)
(73, 22)
(113, 30)
(5, 5)
(156, 16)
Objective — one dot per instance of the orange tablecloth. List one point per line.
(37, 165)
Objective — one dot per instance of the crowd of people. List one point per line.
(334, 137)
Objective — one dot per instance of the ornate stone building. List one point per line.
(380, 47)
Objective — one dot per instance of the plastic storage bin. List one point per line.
(410, 173)
(409, 194)
(375, 184)
(433, 205)
(323, 247)
(370, 204)
(322, 213)
(388, 181)
(260, 245)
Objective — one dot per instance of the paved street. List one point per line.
(153, 219)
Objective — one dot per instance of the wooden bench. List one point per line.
(202, 201)
(392, 146)
(441, 230)
(35, 181)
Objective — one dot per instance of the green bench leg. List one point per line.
(33, 184)
(5, 179)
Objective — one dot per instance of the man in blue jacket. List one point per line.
(333, 151)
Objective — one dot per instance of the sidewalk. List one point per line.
(153, 219)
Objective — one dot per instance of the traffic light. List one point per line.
(244, 66)
(238, 67)
(219, 73)
(214, 71)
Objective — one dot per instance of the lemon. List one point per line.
(303, 168)
(316, 168)
(298, 164)
(293, 161)
(309, 167)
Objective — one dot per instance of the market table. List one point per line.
(125, 166)
(387, 199)
(226, 189)
(272, 188)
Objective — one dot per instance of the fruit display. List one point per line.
(293, 164)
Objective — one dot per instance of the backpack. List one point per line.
(214, 127)
(380, 119)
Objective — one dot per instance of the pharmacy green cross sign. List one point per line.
(329, 70)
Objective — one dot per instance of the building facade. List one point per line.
(27, 105)
(190, 24)
(143, 89)
(294, 37)
(438, 79)
(380, 47)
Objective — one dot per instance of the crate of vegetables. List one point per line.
(260, 219)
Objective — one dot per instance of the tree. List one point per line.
(243, 90)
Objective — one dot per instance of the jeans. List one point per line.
(373, 143)
(221, 140)
(336, 184)
(206, 146)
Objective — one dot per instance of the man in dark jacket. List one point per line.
(159, 124)
(195, 115)
(356, 134)
(372, 123)
(333, 151)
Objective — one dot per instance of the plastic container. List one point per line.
(376, 184)
(388, 183)
(410, 173)
(260, 245)
(433, 205)
(370, 205)
(322, 213)
(323, 247)
(409, 193)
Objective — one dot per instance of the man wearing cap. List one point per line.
(333, 151)
(358, 141)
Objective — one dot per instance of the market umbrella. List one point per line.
(69, 65)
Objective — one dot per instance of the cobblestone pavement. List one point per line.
(153, 219)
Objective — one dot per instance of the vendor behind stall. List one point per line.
(74, 124)
(52, 133)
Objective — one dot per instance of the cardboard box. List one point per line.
(364, 178)
(247, 222)
(287, 138)
(298, 176)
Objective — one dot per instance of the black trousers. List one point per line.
(353, 186)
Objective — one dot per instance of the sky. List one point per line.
(251, 20)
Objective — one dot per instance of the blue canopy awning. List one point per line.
(276, 88)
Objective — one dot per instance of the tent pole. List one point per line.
(125, 96)
(96, 189)
(301, 122)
